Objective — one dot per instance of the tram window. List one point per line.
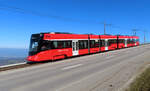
(128, 41)
(97, 44)
(45, 46)
(106, 43)
(112, 41)
(77, 46)
(68, 44)
(137, 40)
(54, 45)
(133, 40)
(73, 46)
(121, 41)
(83, 44)
(102, 43)
(92, 43)
(64, 44)
(86, 44)
(60, 44)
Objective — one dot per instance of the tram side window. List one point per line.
(137, 40)
(45, 45)
(92, 43)
(134, 40)
(68, 44)
(112, 41)
(61, 44)
(128, 41)
(121, 41)
(54, 45)
(102, 43)
(83, 44)
(97, 44)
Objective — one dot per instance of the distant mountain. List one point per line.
(6, 61)
(12, 55)
(13, 52)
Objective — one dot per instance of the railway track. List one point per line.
(23, 65)
(18, 66)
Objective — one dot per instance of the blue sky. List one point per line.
(75, 16)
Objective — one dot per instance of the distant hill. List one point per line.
(12, 55)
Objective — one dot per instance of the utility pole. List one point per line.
(105, 27)
(144, 37)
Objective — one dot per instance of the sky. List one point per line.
(21, 18)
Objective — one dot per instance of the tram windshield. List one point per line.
(34, 44)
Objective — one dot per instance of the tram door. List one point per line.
(75, 47)
(106, 44)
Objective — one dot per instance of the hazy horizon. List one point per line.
(13, 52)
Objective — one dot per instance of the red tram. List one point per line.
(52, 46)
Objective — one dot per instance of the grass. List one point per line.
(142, 82)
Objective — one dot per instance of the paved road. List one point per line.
(108, 71)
